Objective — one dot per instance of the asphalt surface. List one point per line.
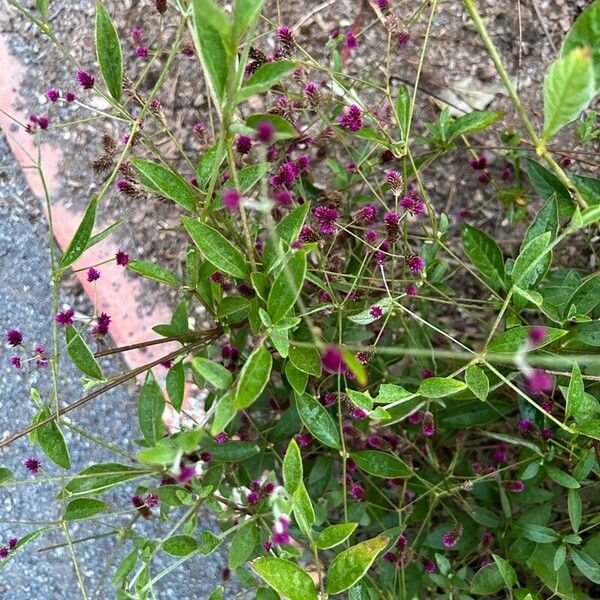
(25, 303)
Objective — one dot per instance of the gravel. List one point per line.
(25, 291)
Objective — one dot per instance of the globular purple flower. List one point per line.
(221, 437)
(479, 163)
(403, 38)
(365, 214)
(205, 456)
(383, 4)
(53, 94)
(265, 131)
(547, 434)
(391, 221)
(12, 542)
(102, 325)
(415, 418)
(151, 499)
(484, 177)
(356, 491)
(14, 337)
(328, 399)
(33, 465)
(186, 472)
(283, 197)
(376, 312)
(428, 424)
(332, 360)
(288, 173)
(370, 236)
(253, 498)
(286, 39)
(70, 96)
(358, 413)
(351, 118)
(450, 539)
(302, 163)
(304, 439)
(514, 486)
(411, 290)
(137, 35)
(414, 262)
(243, 144)
(280, 532)
(86, 80)
(4, 552)
(43, 122)
(412, 205)
(65, 317)
(536, 335)
(231, 199)
(395, 182)
(487, 538)
(199, 128)
(500, 455)
(307, 235)
(428, 565)
(401, 541)
(267, 545)
(326, 216)
(539, 381)
(15, 361)
(93, 274)
(506, 174)
(567, 161)
(426, 373)
(122, 258)
(525, 426)
(141, 52)
(390, 557)
(41, 359)
(350, 41)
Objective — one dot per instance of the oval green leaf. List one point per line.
(317, 420)
(381, 464)
(108, 50)
(253, 378)
(286, 578)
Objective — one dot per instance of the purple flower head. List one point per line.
(426, 373)
(199, 128)
(370, 236)
(484, 177)
(358, 413)
(350, 42)
(428, 424)
(288, 172)
(376, 312)
(253, 498)
(304, 439)
(43, 122)
(383, 4)
(280, 531)
(12, 543)
(478, 164)
(391, 219)
(243, 144)
(506, 174)
(351, 118)
(411, 290)
(265, 131)
(102, 325)
(328, 399)
(500, 455)
(412, 205)
(14, 337)
(33, 465)
(356, 491)
(93, 274)
(161, 6)
(390, 557)
(539, 381)
(15, 361)
(514, 486)
(122, 258)
(53, 94)
(283, 197)
(326, 217)
(221, 438)
(167, 364)
(394, 180)
(415, 418)
(547, 434)
(41, 360)
(137, 35)
(428, 565)
(231, 199)
(401, 541)
(70, 96)
(302, 163)
(525, 426)
(4, 552)
(414, 262)
(86, 80)
(333, 360)
(567, 161)
(65, 317)
(286, 39)
(487, 538)
(141, 52)
(365, 214)
(451, 538)
(536, 335)
(205, 456)
(186, 472)
(403, 38)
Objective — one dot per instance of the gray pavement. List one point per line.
(25, 303)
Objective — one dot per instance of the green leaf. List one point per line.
(303, 510)
(82, 236)
(403, 110)
(42, 6)
(265, 77)
(287, 231)
(206, 165)
(175, 384)
(585, 33)
(473, 122)
(151, 406)
(569, 87)
(539, 533)
(589, 187)
(574, 507)
(164, 453)
(151, 271)
(245, 12)
(477, 381)
(440, 387)
(586, 297)
(545, 220)
(284, 130)
(562, 478)
(167, 182)
(485, 254)
(216, 248)
(100, 478)
(317, 420)
(26, 539)
(253, 378)
(125, 567)
(232, 451)
(52, 441)
(217, 593)
(224, 414)
(108, 50)
(546, 184)
(216, 374)
(81, 355)
(292, 467)
(286, 578)
(287, 286)
(512, 339)
(249, 176)
(529, 257)
(5, 475)
(586, 564)
(242, 545)
(83, 508)
(351, 565)
(488, 580)
(212, 48)
(296, 378)
(559, 557)
(180, 545)
(588, 333)
(381, 464)
(306, 359)
(575, 394)
(334, 535)
(591, 428)
(102, 235)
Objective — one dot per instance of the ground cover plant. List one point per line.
(396, 404)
